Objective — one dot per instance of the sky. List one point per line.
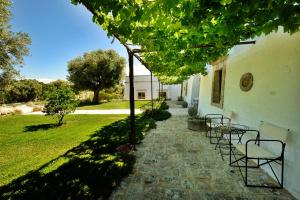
(60, 31)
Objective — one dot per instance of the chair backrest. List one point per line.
(227, 117)
(227, 113)
(273, 132)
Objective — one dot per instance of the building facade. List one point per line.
(260, 82)
(142, 88)
(191, 89)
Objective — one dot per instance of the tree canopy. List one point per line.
(52, 86)
(13, 46)
(96, 70)
(24, 90)
(60, 102)
(168, 31)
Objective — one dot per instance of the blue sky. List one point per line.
(59, 31)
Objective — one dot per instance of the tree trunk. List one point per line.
(60, 121)
(96, 96)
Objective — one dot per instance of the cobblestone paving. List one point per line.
(176, 163)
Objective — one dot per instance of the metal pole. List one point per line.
(162, 88)
(181, 90)
(151, 92)
(132, 136)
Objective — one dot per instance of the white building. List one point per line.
(191, 89)
(274, 62)
(142, 88)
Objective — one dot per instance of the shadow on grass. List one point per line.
(89, 171)
(40, 127)
(87, 103)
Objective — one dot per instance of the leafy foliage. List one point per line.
(169, 31)
(115, 92)
(60, 103)
(192, 111)
(13, 46)
(164, 106)
(180, 98)
(52, 86)
(96, 70)
(184, 104)
(158, 114)
(23, 91)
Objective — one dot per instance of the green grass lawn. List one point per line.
(83, 159)
(113, 105)
(28, 142)
(86, 158)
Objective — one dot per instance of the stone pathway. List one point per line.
(176, 163)
(177, 109)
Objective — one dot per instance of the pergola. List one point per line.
(212, 29)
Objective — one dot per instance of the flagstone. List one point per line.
(176, 163)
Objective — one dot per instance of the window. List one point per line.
(141, 95)
(217, 95)
(217, 87)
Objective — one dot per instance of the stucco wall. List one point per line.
(188, 96)
(274, 62)
(193, 84)
(173, 91)
(142, 83)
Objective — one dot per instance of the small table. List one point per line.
(223, 130)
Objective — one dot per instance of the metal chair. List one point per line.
(213, 121)
(264, 151)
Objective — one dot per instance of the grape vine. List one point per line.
(169, 30)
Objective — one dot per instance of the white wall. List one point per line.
(188, 97)
(173, 91)
(193, 84)
(142, 83)
(274, 62)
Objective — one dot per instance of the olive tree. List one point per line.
(96, 70)
(13, 46)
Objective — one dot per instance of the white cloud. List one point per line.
(45, 80)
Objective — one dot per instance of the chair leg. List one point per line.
(210, 136)
(246, 171)
(230, 146)
(218, 143)
(282, 171)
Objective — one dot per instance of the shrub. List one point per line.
(24, 91)
(60, 103)
(54, 85)
(164, 106)
(193, 111)
(157, 114)
(180, 98)
(157, 104)
(160, 115)
(184, 104)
